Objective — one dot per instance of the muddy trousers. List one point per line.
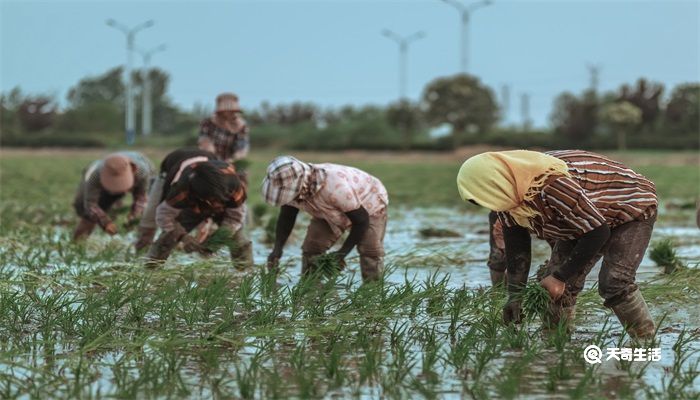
(86, 226)
(320, 237)
(497, 251)
(241, 252)
(621, 255)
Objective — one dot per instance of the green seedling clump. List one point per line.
(535, 300)
(663, 253)
(327, 264)
(438, 232)
(222, 237)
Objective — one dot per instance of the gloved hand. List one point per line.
(512, 312)
(145, 238)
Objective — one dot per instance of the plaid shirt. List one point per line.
(228, 146)
(288, 178)
(91, 187)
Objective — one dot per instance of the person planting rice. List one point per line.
(337, 197)
(225, 133)
(591, 207)
(192, 187)
(106, 181)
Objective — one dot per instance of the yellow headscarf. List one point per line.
(503, 180)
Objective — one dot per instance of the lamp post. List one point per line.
(465, 14)
(403, 42)
(130, 34)
(146, 106)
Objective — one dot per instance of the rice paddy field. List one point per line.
(88, 320)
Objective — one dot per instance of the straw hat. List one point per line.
(227, 102)
(116, 175)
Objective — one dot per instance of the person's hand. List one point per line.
(554, 286)
(273, 260)
(111, 228)
(512, 312)
(340, 258)
(190, 245)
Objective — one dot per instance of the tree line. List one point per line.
(462, 107)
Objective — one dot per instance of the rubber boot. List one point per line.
(307, 266)
(161, 249)
(84, 229)
(634, 315)
(145, 237)
(372, 268)
(498, 278)
(242, 251)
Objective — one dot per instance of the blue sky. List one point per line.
(331, 52)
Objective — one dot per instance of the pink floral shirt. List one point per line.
(344, 189)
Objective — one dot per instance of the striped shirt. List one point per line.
(599, 191)
(89, 193)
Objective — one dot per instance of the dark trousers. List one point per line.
(621, 254)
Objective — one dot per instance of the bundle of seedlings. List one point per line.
(222, 237)
(327, 264)
(438, 232)
(663, 253)
(535, 300)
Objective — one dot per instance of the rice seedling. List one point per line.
(663, 253)
(221, 238)
(535, 300)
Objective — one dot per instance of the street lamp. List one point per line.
(465, 12)
(146, 107)
(403, 42)
(129, 33)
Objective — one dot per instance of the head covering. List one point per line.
(227, 102)
(116, 174)
(288, 179)
(504, 180)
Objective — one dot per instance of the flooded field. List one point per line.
(89, 321)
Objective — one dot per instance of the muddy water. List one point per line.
(464, 259)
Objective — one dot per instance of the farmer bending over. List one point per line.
(589, 205)
(106, 181)
(195, 187)
(337, 197)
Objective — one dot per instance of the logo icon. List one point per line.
(592, 354)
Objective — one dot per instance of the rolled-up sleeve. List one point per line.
(566, 198)
(166, 215)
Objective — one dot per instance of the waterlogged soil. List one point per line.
(461, 261)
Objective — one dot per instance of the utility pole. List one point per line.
(594, 71)
(505, 101)
(525, 111)
(130, 36)
(465, 14)
(146, 106)
(403, 42)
